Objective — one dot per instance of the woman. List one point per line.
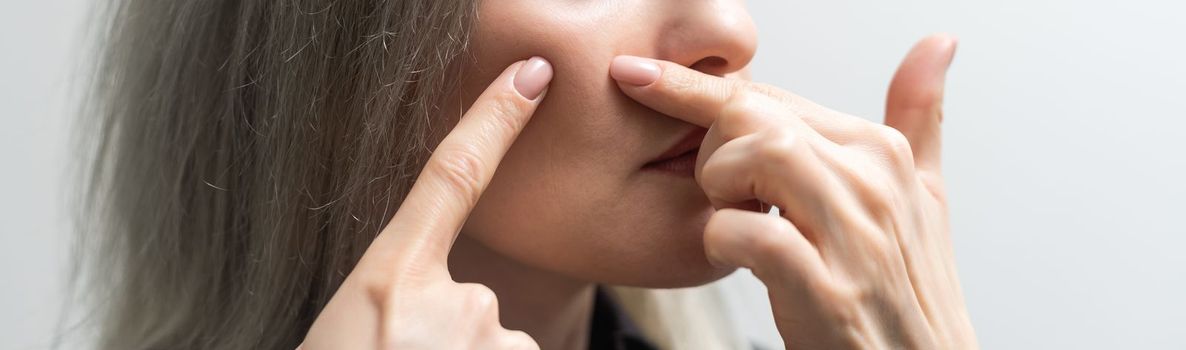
(308, 173)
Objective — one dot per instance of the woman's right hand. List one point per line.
(401, 295)
(861, 254)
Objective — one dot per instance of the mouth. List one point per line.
(680, 158)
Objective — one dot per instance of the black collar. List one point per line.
(612, 328)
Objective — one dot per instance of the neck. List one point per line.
(555, 310)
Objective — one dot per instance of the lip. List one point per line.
(680, 157)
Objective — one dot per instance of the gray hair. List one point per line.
(242, 154)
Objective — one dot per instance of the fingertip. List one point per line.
(533, 77)
(712, 243)
(727, 231)
(635, 71)
(951, 44)
(926, 65)
(954, 48)
(914, 104)
(942, 45)
(943, 38)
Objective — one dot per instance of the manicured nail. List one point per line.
(533, 76)
(634, 70)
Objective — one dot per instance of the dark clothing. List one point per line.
(612, 328)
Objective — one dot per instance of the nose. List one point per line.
(716, 37)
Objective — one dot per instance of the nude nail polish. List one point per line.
(634, 70)
(533, 76)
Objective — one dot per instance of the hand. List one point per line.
(400, 295)
(861, 257)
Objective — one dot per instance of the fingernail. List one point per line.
(533, 76)
(634, 70)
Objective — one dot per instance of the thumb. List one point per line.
(915, 102)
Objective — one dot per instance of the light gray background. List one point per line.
(1064, 155)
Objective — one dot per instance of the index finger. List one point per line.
(699, 98)
(461, 167)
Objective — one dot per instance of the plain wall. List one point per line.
(1063, 155)
(37, 51)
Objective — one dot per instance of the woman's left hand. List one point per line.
(861, 257)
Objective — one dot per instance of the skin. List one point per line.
(570, 205)
(860, 257)
(571, 190)
(401, 294)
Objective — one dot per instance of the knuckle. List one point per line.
(740, 113)
(519, 340)
(461, 169)
(777, 147)
(776, 226)
(880, 202)
(737, 96)
(479, 299)
(895, 145)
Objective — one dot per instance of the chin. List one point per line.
(677, 277)
(673, 273)
(666, 258)
(645, 232)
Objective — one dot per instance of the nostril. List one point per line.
(714, 65)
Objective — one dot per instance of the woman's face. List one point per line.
(574, 194)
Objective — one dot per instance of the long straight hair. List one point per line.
(240, 155)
